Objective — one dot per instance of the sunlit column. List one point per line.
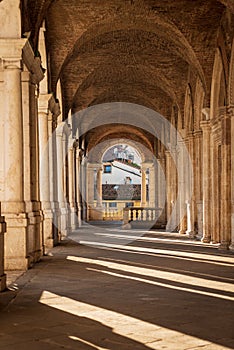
(152, 188)
(206, 177)
(190, 196)
(143, 186)
(44, 172)
(181, 166)
(78, 186)
(99, 187)
(71, 178)
(91, 169)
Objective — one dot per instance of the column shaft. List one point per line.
(206, 177)
(143, 187)
(225, 226)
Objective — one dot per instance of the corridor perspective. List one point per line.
(116, 174)
(153, 293)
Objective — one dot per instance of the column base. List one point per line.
(231, 247)
(191, 234)
(74, 218)
(224, 245)
(95, 214)
(182, 232)
(16, 242)
(63, 228)
(206, 239)
(48, 241)
(3, 282)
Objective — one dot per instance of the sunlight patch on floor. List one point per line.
(120, 324)
(214, 259)
(212, 287)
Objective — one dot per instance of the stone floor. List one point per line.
(105, 288)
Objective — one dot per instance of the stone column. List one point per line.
(152, 189)
(13, 202)
(44, 171)
(171, 173)
(168, 186)
(215, 182)
(206, 177)
(83, 182)
(90, 188)
(71, 178)
(99, 187)
(198, 182)
(143, 186)
(181, 166)
(225, 225)
(190, 201)
(161, 190)
(53, 113)
(78, 184)
(63, 224)
(231, 112)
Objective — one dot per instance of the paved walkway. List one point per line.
(146, 293)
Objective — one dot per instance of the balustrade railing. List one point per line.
(141, 214)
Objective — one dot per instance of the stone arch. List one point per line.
(189, 110)
(97, 153)
(198, 104)
(157, 25)
(216, 85)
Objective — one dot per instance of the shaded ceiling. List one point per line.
(135, 51)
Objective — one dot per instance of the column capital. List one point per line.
(205, 125)
(206, 113)
(43, 103)
(54, 107)
(147, 164)
(32, 63)
(11, 52)
(231, 111)
(93, 166)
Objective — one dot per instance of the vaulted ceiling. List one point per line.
(139, 51)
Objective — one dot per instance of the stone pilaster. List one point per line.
(161, 190)
(78, 184)
(71, 185)
(181, 166)
(206, 176)
(143, 186)
(190, 202)
(44, 171)
(61, 156)
(152, 190)
(54, 112)
(99, 186)
(231, 111)
(91, 168)
(225, 224)
(198, 182)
